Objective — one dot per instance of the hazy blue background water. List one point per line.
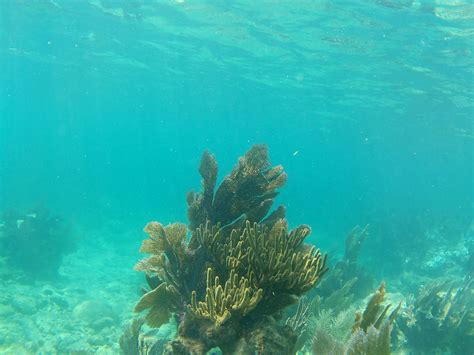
(106, 106)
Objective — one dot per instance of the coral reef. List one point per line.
(228, 283)
(445, 244)
(140, 340)
(330, 331)
(35, 243)
(332, 314)
(370, 334)
(347, 276)
(300, 320)
(441, 317)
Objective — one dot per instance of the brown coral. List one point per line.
(159, 302)
(240, 267)
(248, 190)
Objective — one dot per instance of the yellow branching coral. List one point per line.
(371, 329)
(236, 297)
(272, 257)
(208, 237)
(278, 258)
(375, 313)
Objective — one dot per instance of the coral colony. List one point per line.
(227, 285)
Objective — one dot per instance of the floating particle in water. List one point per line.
(299, 77)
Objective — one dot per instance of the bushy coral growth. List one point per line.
(35, 243)
(370, 333)
(441, 317)
(347, 275)
(241, 266)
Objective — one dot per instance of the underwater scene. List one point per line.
(237, 177)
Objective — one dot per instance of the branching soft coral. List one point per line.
(168, 249)
(347, 272)
(441, 317)
(274, 258)
(249, 190)
(236, 297)
(240, 267)
(370, 332)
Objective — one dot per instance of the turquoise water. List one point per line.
(107, 106)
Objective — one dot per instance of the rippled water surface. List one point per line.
(107, 105)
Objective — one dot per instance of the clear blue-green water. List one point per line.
(107, 106)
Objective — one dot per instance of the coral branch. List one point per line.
(237, 297)
(248, 190)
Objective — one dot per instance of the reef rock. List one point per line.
(91, 311)
(25, 305)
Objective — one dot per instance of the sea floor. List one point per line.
(85, 310)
